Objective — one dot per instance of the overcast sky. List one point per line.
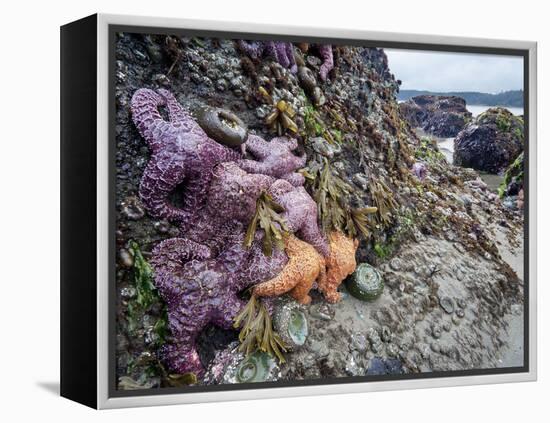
(435, 71)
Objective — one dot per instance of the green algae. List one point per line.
(428, 151)
(513, 173)
(146, 298)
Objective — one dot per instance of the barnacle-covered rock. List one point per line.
(325, 148)
(491, 143)
(389, 366)
(366, 283)
(443, 116)
(447, 304)
(307, 79)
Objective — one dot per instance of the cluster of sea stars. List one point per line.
(200, 273)
(283, 53)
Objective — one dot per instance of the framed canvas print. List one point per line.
(254, 211)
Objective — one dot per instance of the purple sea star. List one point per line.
(325, 51)
(300, 213)
(181, 152)
(282, 52)
(200, 276)
(274, 158)
(420, 170)
(199, 293)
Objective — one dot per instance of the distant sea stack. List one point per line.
(512, 98)
(491, 143)
(442, 116)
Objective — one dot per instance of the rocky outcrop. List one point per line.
(442, 116)
(490, 143)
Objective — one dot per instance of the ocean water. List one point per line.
(476, 109)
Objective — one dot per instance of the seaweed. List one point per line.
(143, 278)
(331, 193)
(384, 201)
(257, 331)
(146, 297)
(268, 218)
(503, 122)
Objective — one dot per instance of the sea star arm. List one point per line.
(179, 117)
(310, 233)
(259, 149)
(148, 120)
(282, 54)
(295, 178)
(167, 259)
(230, 307)
(161, 176)
(325, 51)
(254, 49)
(257, 146)
(291, 60)
(300, 214)
(185, 323)
(252, 166)
(279, 285)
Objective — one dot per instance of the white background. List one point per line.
(29, 178)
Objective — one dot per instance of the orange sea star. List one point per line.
(339, 264)
(304, 266)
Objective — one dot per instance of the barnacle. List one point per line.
(257, 330)
(281, 117)
(273, 225)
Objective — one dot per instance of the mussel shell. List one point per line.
(307, 79)
(214, 120)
